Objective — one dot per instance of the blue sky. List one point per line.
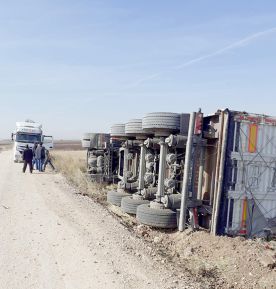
(80, 66)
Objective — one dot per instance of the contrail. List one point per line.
(240, 43)
(243, 42)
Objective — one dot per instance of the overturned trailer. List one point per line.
(238, 181)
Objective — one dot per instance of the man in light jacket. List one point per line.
(34, 149)
(38, 158)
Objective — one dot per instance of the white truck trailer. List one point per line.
(28, 133)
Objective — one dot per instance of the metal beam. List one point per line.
(221, 174)
(142, 168)
(185, 187)
(162, 169)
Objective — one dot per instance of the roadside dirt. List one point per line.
(53, 238)
(214, 262)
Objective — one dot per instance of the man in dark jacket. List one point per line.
(43, 156)
(28, 159)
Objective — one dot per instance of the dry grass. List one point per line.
(72, 164)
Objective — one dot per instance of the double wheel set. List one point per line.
(145, 213)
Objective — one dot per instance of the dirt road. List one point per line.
(53, 238)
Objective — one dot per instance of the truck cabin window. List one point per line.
(28, 138)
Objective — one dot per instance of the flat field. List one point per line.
(67, 145)
(5, 144)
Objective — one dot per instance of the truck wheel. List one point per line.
(134, 126)
(158, 218)
(161, 120)
(129, 205)
(161, 123)
(115, 197)
(118, 130)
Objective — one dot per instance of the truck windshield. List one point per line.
(28, 138)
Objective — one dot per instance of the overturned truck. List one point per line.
(216, 171)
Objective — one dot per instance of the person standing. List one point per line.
(38, 158)
(48, 160)
(28, 159)
(34, 159)
(43, 156)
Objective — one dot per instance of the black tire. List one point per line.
(115, 197)
(158, 218)
(118, 130)
(161, 120)
(129, 205)
(134, 126)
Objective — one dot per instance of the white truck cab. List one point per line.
(28, 133)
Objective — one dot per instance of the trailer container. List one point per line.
(245, 203)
